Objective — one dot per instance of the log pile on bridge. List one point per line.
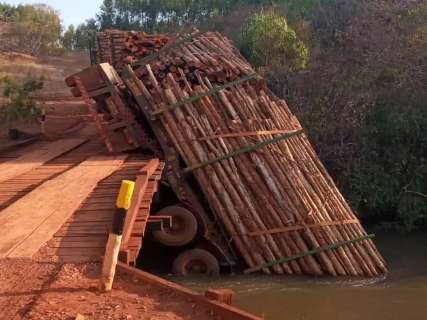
(251, 158)
(120, 47)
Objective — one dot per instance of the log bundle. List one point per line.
(120, 47)
(140, 44)
(255, 166)
(110, 47)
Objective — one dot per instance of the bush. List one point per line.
(270, 30)
(21, 105)
(389, 179)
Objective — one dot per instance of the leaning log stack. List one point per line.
(252, 160)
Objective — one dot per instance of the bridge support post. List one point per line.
(115, 237)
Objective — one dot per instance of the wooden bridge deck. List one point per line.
(77, 230)
(83, 237)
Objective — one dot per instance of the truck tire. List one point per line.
(196, 261)
(184, 227)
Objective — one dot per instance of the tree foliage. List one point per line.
(7, 12)
(68, 39)
(36, 29)
(163, 15)
(20, 105)
(268, 29)
(359, 98)
(389, 179)
(85, 33)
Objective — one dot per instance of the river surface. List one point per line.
(402, 295)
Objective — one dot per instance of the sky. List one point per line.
(71, 11)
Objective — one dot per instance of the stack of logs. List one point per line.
(255, 166)
(198, 60)
(120, 47)
(140, 44)
(110, 47)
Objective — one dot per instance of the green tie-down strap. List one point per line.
(308, 253)
(244, 150)
(204, 94)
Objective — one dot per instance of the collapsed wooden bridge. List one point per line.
(248, 152)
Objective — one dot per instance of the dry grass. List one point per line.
(53, 69)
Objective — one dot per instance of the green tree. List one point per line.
(69, 38)
(268, 40)
(85, 34)
(163, 15)
(107, 14)
(389, 180)
(37, 28)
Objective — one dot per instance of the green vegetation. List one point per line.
(271, 30)
(390, 175)
(20, 105)
(362, 99)
(161, 15)
(36, 29)
(68, 38)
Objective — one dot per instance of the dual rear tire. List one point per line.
(183, 231)
(195, 262)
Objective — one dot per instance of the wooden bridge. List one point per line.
(57, 200)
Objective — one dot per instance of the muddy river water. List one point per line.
(402, 295)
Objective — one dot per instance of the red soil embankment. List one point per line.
(48, 291)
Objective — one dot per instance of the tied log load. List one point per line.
(233, 145)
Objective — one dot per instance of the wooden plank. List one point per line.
(79, 239)
(226, 312)
(34, 159)
(92, 222)
(80, 233)
(94, 113)
(87, 228)
(29, 223)
(15, 144)
(75, 251)
(221, 295)
(141, 185)
(79, 259)
(89, 217)
(100, 243)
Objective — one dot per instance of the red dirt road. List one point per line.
(42, 290)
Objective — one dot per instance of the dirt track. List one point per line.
(48, 291)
